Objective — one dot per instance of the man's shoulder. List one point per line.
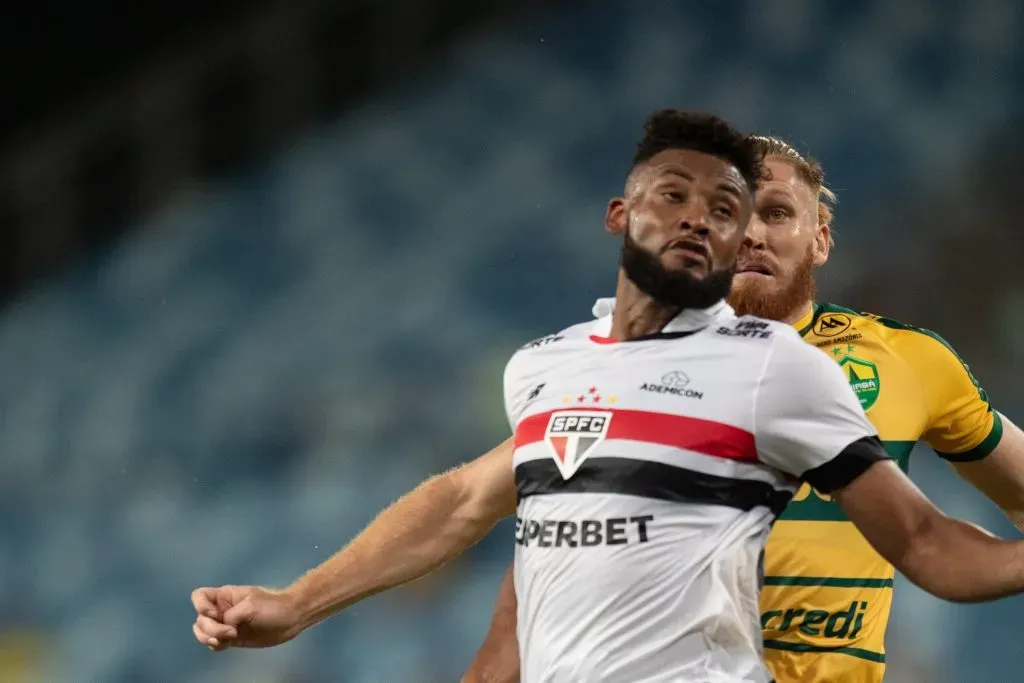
(577, 331)
(832, 324)
(535, 358)
(754, 329)
(547, 349)
(933, 358)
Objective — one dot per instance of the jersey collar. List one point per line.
(689, 320)
(803, 325)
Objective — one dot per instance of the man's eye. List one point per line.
(723, 211)
(776, 213)
(673, 196)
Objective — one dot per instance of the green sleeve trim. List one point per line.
(827, 581)
(995, 435)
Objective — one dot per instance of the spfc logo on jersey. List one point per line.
(573, 435)
(863, 376)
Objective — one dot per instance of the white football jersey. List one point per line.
(649, 473)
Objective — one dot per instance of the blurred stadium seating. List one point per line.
(239, 384)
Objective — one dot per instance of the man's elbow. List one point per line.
(935, 560)
(476, 509)
(934, 580)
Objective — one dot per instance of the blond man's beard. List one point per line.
(773, 303)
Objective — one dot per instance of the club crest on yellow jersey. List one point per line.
(864, 379)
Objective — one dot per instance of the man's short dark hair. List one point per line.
(701, 132)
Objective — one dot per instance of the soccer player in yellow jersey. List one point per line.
(827, 594)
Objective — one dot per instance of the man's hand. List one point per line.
(420, 532)
(244, 616)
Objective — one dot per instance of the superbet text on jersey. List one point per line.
(648, 474)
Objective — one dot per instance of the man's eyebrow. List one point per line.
(777, 192)
(730, 188)
(677, 171)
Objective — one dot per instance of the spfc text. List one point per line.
(574, 435)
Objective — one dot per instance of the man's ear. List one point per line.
(616, 217)
(822, 245)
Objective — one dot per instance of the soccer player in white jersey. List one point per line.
(652, 449)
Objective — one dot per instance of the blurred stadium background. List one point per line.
(263, 263)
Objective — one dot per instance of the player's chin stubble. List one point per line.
(777, 304)
(678, 289)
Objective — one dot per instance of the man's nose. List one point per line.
(695, 227)
(695, 219)
(754, 237)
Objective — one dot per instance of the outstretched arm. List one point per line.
(950, 559)
(810, 424)
(434, 523)
(1000, 474)
(423, 530)
(984, 447)
(497, 661)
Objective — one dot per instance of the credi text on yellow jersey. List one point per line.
(827, 594)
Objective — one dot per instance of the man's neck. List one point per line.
(636, 314)
(799, 313)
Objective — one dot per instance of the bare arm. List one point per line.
(950, 559)
(423, 530)
(497, 661)
(810, 423)
(1000, 474)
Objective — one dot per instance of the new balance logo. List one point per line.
(543, 341)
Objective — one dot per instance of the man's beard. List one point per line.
(674, 288)
(773, 303)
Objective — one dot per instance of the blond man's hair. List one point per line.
(809, 170)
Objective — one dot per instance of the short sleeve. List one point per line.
(961, 423)
(511, 389)
(808, 421)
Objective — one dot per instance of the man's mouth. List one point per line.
(691, 249)
(756, 269)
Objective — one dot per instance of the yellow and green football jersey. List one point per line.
(827, 593)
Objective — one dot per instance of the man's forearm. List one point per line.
(1000, 474)
(497, 661)
(420, 532)
(960, 562)
(950, 559)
